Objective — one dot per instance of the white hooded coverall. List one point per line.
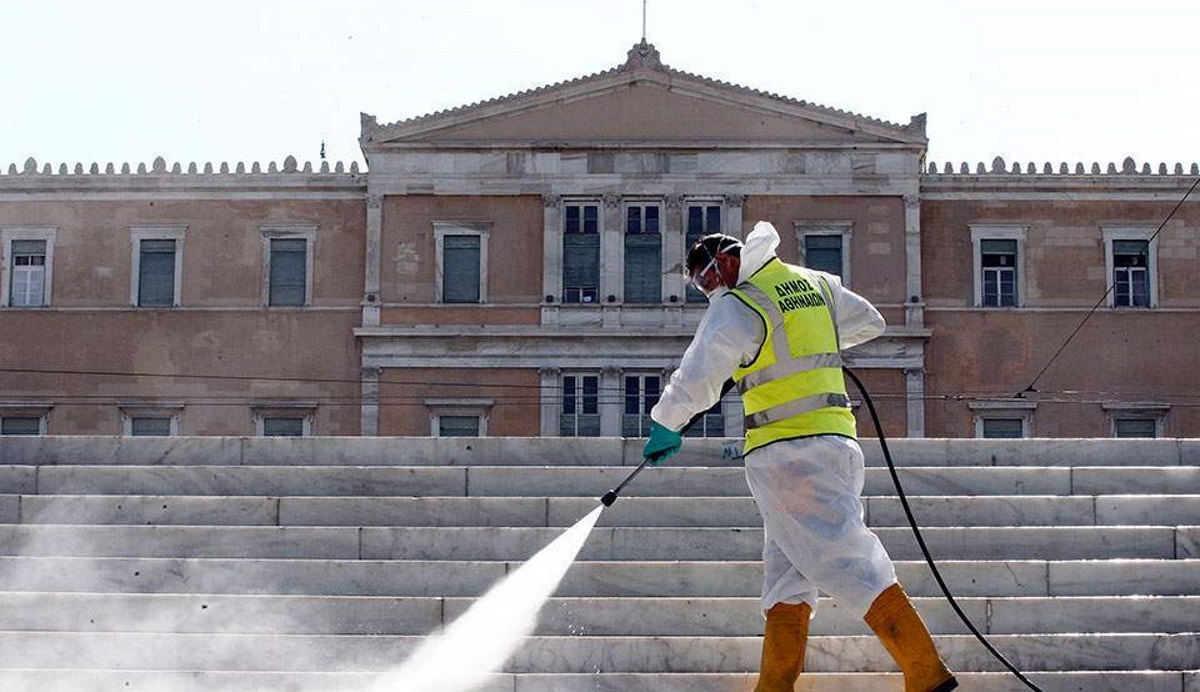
(807, 489)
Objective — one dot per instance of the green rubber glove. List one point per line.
(662, 445)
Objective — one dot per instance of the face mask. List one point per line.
(698, 277)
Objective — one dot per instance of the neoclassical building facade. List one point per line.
(513, 268)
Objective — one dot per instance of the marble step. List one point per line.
(541, 654)
(604, 543)
(589, 616)
(199, 681)
(420, 451)
(569, 481)
(1029, 578)
(1009, 510)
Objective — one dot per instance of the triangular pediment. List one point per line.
(641, 103)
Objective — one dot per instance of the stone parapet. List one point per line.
(1000, 167)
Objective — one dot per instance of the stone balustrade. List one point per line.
(1000, 167)
(159, 167)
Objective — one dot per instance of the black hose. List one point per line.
(912, 522)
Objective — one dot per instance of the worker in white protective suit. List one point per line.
(778, 331)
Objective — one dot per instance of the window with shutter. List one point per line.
(823, 253)
(156, 273)
(643, 254)
(458, 426)
(281, 426)
(145, 426)
(1135, 427)
(289, 272)
(581, 267)
(1003, 428)
(20, 425)
(460, 268)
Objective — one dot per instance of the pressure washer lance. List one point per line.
(611, 496)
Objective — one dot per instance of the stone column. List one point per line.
(914, 391)
(673, 233)
(374, 261)
(611, 402)
(369, 425)
(914, 314)
(612, 250)
(733, 215)
(551, 381)
(551, 258)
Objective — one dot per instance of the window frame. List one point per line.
(438, 407)
(1137, 411)
(137, 234)
(441, 229)
(40, 411)
(1111, 235)
(580, 399)
(305, 232)
(140, 410)
(982, 232)
(843, 229)
(643, 417)
(1003, 409)
(11, 234)
(306, 411)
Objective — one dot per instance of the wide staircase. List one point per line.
(305, 564)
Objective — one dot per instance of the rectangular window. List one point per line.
(283, 426)
(28, 272)
(643, 254)
(702, 219)
(1003, 428)
(580, 414)
(823, 253)
(289, 272)
(156, 273)
(458, 426)
(998, 278)
(1131, 273)
(641, 393)
(20, 425)
(1135, 427)
(460, 268)
(146, 426)
(581, 253)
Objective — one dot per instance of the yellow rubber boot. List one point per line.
(903, 633)
(784, 640)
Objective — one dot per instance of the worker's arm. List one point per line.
(729, 335)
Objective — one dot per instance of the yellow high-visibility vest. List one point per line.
(794, 387)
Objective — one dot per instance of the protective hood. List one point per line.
(758, 249)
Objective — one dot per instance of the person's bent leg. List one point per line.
(899, 627)
(785, 638)
(788, 602)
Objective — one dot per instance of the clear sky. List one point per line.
(256, 80)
